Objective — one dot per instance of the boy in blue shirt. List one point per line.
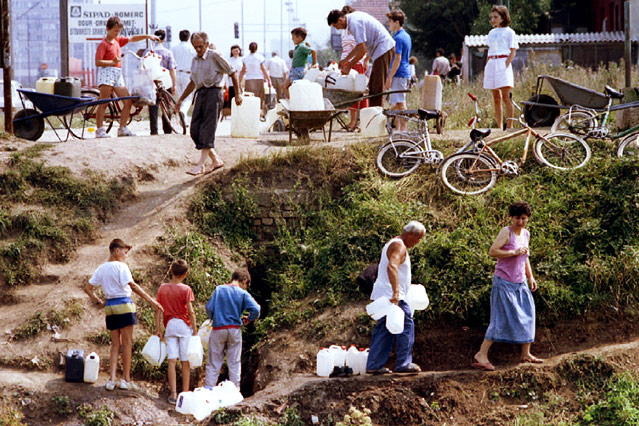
(399, 74)
(225, 309)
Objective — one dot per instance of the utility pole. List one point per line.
(627, 44)
(64, 37)
(242, 6)
(6, 65)
(200, 9)
(264, 40)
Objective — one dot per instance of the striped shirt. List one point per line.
(348, 44)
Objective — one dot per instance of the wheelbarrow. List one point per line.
(542, 109)
(28, 123)
(303, 122)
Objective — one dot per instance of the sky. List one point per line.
(218, 17)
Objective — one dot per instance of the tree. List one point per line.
(438, 23)
(524, 15)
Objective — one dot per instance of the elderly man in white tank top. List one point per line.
(393, 281)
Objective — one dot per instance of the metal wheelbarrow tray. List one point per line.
(303, 122)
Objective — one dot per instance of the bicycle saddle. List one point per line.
(478, 134)
(614, 94)
(427, 114)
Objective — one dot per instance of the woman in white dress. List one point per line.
(498, 74)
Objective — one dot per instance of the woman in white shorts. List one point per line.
(498, 74)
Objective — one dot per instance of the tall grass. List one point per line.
(459, 107)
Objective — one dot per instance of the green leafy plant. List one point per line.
(103, 416)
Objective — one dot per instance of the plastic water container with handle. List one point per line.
(306, 96)
(363, 360)
(154, 351)
(378, 308)
(205, 332)
(231, 394)
(46, 85)
(432, 92)
(352, 359)
(245, 119)
(372, 122)
(324, 362)
(361, 83)
(339, 355)
(417, 298)
(195, 351)
(91, 368)
(395, 320)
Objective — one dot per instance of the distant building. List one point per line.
(35, 39)
(376, 8)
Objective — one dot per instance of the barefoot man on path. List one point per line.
(207, 79)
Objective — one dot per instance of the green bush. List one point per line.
(618, 406)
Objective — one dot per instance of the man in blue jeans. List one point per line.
(393, 281)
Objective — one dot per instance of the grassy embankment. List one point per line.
(584, 230)
(45, 213)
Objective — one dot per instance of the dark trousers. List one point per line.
(153, 119)
(379, 73)
(382, 343)
(206, 113)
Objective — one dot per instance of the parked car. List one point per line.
(15, 96)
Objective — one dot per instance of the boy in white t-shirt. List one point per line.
(117, 284)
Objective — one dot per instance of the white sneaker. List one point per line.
(101, 133)
(124, 131)
(128, 385)
(109, 385)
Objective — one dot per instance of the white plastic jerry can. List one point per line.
(339, 355)
(195, 351)
(154, 351)
(352, 359)
(372, 122)
(324, 362)
(205, 332)
(416, 297)
(378, 308)
(363, 360)
(245, 119)
(395, 320)
(91, 368)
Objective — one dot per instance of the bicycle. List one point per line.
(591, 123)
(171, 120)
(401, 156)
(472, 173)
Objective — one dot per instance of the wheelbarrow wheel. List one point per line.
(31, 128)
(541, 116)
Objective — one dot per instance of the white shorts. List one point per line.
(110, 76)
(177, 339)
(399, 83)
(496, 75)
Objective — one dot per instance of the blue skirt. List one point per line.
(512, 312)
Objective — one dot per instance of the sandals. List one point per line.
(171, 400)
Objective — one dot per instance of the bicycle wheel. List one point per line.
(110, 115)
(169, 115)
(578, 122)
(468, 174)
(399, 158)
(629, 147)
(562, 151)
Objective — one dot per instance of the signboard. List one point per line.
(89, 20)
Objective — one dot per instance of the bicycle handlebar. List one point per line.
(472, 96)
(132, 53)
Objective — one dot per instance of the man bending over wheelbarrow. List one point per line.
(372, 38)
(108, 59)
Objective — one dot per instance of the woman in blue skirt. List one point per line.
(512, 308)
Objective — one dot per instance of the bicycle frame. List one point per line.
(424, 136)
(603, 117)
(486, 147)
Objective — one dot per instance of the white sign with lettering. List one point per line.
(88, 21)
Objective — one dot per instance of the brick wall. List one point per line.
(276, 208)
